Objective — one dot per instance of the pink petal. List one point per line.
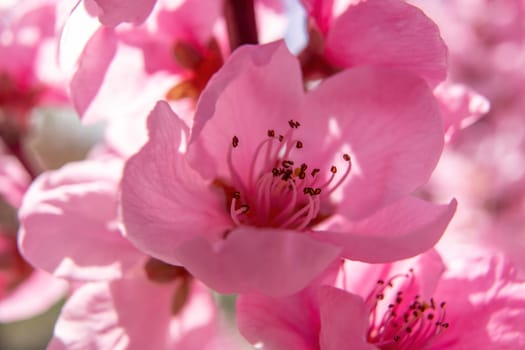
(22, 303)
(460, 106)
(246, 98)
(284, 323)
(361, 278)
(485, 302)
(164, 201)
(133, 314)
(272, 262)
(390, 33)
(92, 67)
(401, 230)
(387, 121)
(115, 12)
(344, 320)
(69, 223)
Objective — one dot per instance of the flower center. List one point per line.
(199, 65)
(279, 192)
(399, 319)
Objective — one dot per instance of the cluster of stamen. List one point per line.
(278, 192)
(400, 321)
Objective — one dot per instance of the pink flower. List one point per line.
(351, 33)
(28, 75)
(69, 227)
(171, 47)
(476, 304)
(276, 183)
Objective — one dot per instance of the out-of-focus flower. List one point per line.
(275, 183)
(388, 33)
(484, 164)
(69, 227)
(28, 75)
(171, 55)
(477, 303)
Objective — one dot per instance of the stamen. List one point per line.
(233, 212)
(347, 158)
(236, 177)
(404, 325)
(274, 184)
(294, 124)
(256, 156)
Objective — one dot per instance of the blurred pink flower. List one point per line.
(350, 33)
(484, 164)
(275, 184)
(477, 303)
(70, 227)
(28, 75)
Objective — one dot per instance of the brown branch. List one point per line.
(241, 24)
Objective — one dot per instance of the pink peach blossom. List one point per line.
(171, 55)
(292, 179)
(26, 46)
(483, 165)
(61, 202)
(394, 34)
(475, 304)
(69, 227)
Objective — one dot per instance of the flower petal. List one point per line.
(401, 230)
(460, 106)
(279, 323)
(164, 201)
(246, 98)
(272, 262)
(115, 12)
(21, 303)
(344, 320)
(133, 314)
(69, 223)
(390, 33)
(387, 120)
